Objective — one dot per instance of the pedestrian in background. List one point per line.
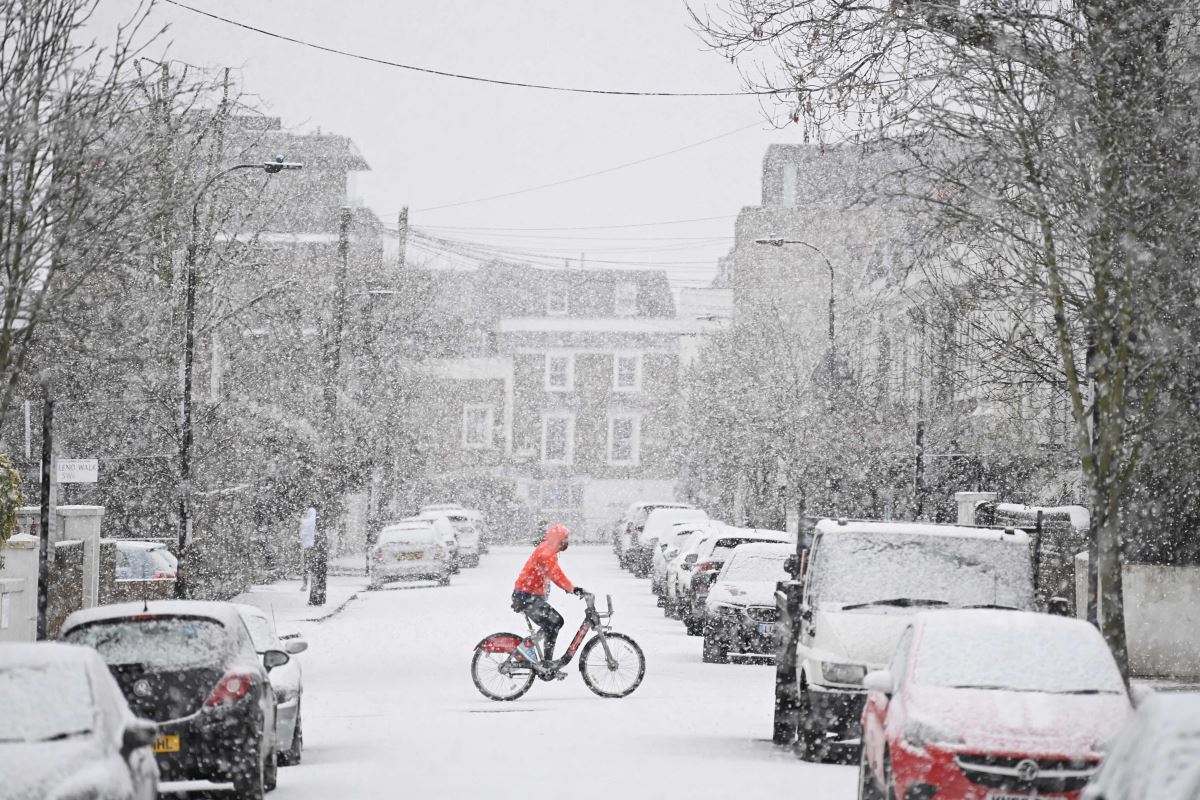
(308, 539)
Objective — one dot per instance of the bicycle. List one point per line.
(505, 665)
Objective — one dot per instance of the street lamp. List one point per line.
(189, 348)
(780, 242)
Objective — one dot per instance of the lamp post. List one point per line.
(189, 351)
(780, 242)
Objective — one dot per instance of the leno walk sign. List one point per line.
(77, 470)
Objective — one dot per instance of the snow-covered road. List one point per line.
(390, 710)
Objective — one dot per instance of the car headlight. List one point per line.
(851, 674)
(919, 732)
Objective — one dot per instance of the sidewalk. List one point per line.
(289, 605)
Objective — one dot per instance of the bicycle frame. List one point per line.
(592, 620)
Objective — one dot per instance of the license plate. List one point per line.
(766, 629)
(407, 556)
(166, 744)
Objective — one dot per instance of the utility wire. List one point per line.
(585, 227)
(591, 174)
(464, 77)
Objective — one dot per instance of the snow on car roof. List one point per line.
(222, 612)
(1080, 517)
(38, 653)
(413, 522)
(765, 549)
(1014, 535)
(249, 610)
(137, 544)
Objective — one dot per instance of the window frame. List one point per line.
(629, 308)
(635, 439)
(637, 372)
(569, 386)
(489, 410)
(559, 291)
(569, 446)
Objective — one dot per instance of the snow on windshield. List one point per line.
(854, 568)
(756, 567)
(1021, 657)
(260, 632)
(45, 702)
(161, 643)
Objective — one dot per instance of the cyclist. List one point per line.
(533, 585)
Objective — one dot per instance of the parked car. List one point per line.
(67, 730)
(287, 681)
(657, 526)
(665, 550)
(864, 583)
(740, 611)
(1156, 755)
(446, 535)
(990, 704)
(466, 535)
(679, 568)
(630, 525)
(707, 562)
(191, 667)
(412, 549)
(144, 561)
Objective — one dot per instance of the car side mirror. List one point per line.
(1059, 606)
(879, 681)
(691, 558)
(138, 733)
(294, 646)
(275, 658)
(791, 565)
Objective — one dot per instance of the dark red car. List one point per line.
(990, 705)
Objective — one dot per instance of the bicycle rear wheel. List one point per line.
(495, 672)
(619, 678)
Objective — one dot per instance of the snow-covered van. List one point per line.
(863, 584)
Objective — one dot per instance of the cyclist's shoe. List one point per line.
(551, 670)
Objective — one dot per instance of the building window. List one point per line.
(558, 438)
(624, 439)
(560, 372)
(478, 422)
(627, 299)
(627, 372)
(557, 303)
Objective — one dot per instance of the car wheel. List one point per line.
(867, 790)
(695, 627)
(271, 771)
(810, 733)
(293, 754)
(716, 650)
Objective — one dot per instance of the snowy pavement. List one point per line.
(288, 604)
(389, 707)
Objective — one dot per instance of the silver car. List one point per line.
(286, 680)
(411, 549)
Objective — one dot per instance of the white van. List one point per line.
(409, 550)
(864, 583)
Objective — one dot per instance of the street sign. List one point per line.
(77, 470)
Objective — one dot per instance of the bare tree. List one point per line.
(1055, 145)
(72, 144)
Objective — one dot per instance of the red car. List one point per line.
(990, 705)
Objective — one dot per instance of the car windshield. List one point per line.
(755, 567)
(156, 642)
(414, 536)
(260, 632)
(1023, 656)
(722, 548)
(163, 559)
(865, 568)
(45, 702)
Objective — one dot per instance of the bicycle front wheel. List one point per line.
(496, 674)
(616, 678)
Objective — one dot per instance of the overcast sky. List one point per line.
(434, 141)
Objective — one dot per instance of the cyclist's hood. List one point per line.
(556, 536)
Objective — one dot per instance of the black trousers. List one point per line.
(543, 615)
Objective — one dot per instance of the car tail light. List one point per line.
(708, 566)
(162, 574)
(231, 688)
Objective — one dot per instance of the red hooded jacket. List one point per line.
(542, 566)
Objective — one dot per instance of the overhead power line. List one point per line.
(586, 227)
(464, 77)
(604, 171)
